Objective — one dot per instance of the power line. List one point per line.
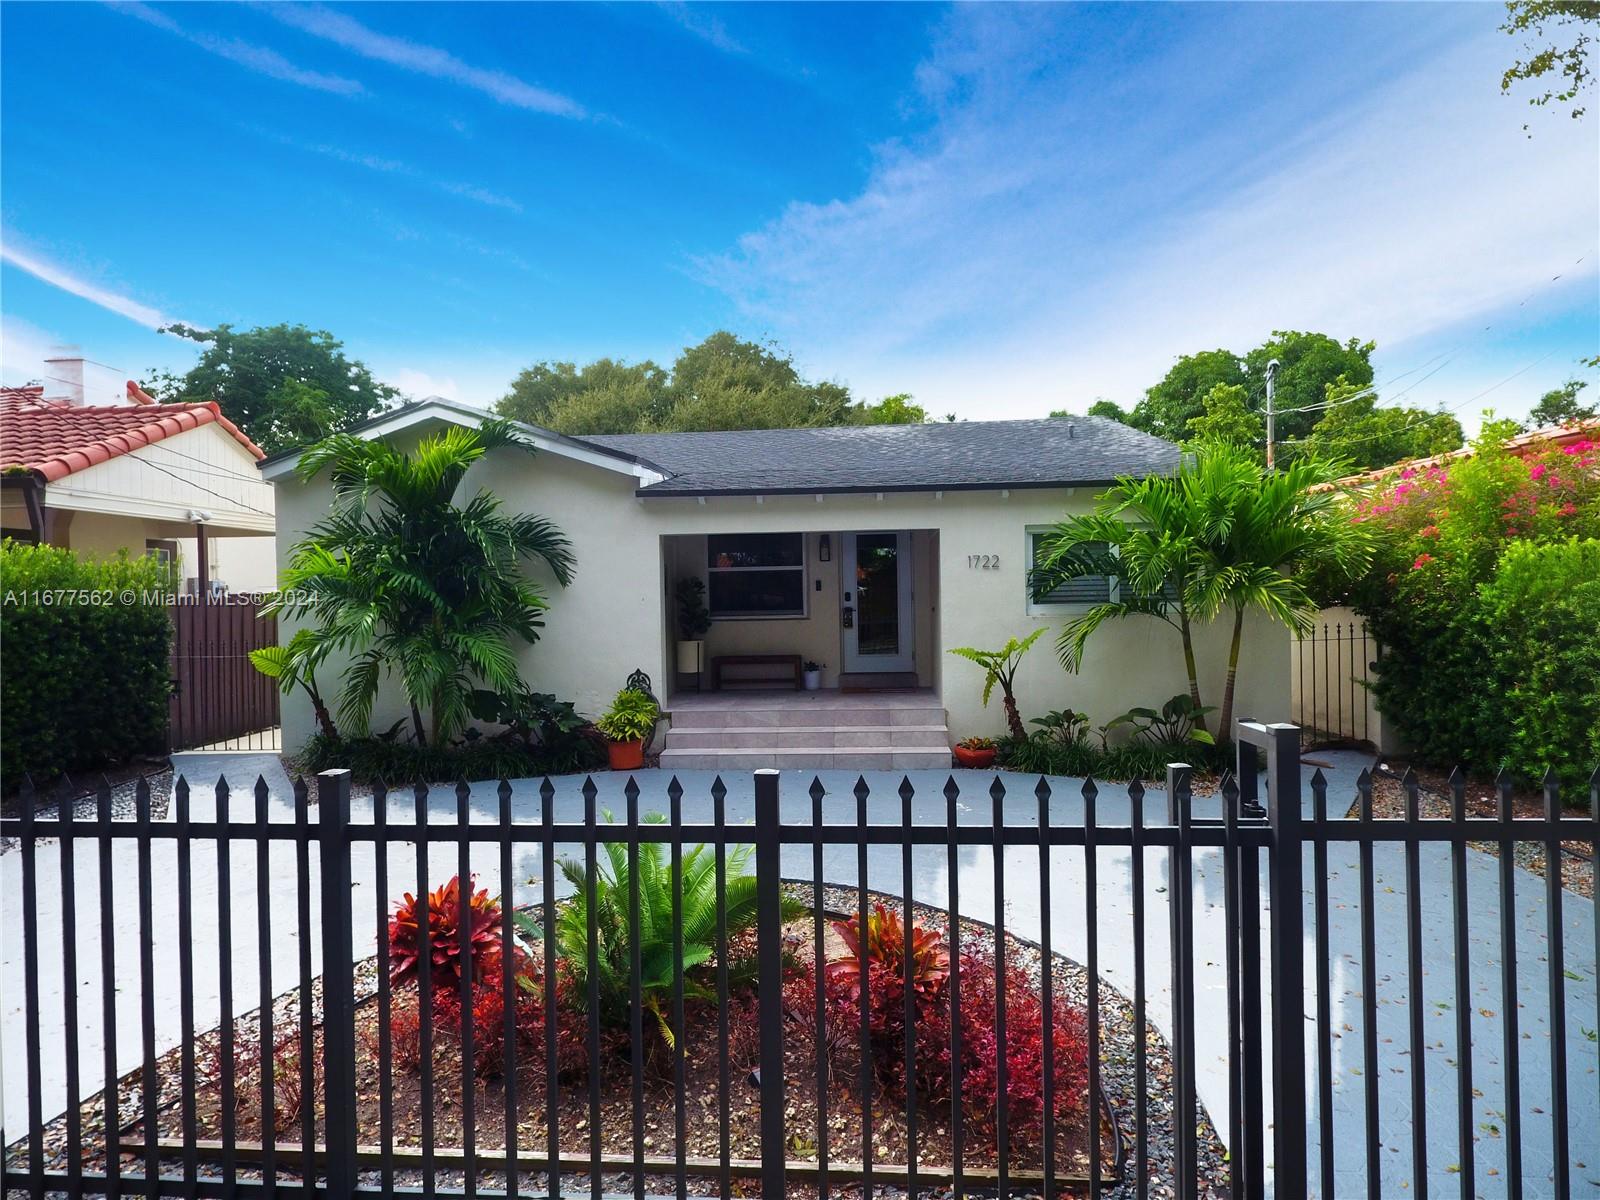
(202, 487)
(1425, 417)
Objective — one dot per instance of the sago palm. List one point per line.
(612, 888)
(402, 578)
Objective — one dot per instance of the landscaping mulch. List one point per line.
(1435, 802)
(1119, 1087)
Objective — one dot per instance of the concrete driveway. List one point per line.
(929, 884)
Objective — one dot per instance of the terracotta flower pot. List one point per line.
(975, 758)
(626, 756)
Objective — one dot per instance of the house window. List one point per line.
(756, 575)
(1082, 592)
(163, 550)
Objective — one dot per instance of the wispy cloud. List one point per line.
(704, 24)
(60, 277)
(261, 59)
(360, 39)
(1050, 238)
(391, 166)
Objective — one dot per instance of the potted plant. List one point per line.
(628, 724)
(694, 618)
(813, 676)
(976, 752)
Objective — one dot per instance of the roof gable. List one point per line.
(435, 410)
(54, 440)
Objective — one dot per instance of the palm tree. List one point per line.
(403, 579)
(1140, 538)
(1222, 533)
(1264, 535)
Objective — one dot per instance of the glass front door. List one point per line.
(875, 597)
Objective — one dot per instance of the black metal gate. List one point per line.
(344, 1146)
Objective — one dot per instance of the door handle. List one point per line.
(847, 617)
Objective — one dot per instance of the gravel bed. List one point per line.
(85, 805)
(1435, 802)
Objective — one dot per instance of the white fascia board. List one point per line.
(449, 412)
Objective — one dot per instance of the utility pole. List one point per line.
(1272, 381)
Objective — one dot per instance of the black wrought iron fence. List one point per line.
(1332, 668)
(649, 1018)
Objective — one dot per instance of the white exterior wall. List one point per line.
(618, 615)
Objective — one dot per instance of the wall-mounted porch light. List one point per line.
(825, 549)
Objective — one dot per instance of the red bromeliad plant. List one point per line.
(445, 921)
(884, 951)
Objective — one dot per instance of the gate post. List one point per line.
(1288, 961)
(769, 969)
(1180, 860)
(338, 982)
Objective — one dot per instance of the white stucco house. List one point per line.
(871, 550)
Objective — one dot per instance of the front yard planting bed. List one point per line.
(1115, 1112)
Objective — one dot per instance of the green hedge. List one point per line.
(1540, 615)
(84, 672)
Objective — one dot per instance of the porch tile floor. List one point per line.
(745, 729)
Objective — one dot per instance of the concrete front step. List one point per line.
(840, 737)
(818, 758)
(820, 717)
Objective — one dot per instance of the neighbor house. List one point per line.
(174, 480)
(870, 550)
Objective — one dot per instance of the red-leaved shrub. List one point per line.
(981, 1050)
(883, 951)
(445, 918)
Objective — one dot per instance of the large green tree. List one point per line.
(408, 582)
(1307, 364)
(1354, 429)
(1227, 419)
(723, 382)
(1169, 406)
(1560, 405)
(284, 385)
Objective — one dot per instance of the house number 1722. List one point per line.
(984, 562)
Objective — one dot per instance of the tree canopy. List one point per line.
(723, 382)
(1560, 405)
(1355, 430)
(284, 385)
(1568, 63)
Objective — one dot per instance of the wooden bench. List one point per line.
(792, 661)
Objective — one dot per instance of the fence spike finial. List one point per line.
(952, 789)
(817, 791)
(1042, 789)
(1318, 779)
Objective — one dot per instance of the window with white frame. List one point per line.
(1082, 592)
(756, 575)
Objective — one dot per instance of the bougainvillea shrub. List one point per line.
(1454, 593)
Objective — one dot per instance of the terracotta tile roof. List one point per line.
(1550, 435)
(53, 439)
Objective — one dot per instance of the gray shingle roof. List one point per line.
(943, 456)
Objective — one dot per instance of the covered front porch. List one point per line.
(817, 649)
(856, 608)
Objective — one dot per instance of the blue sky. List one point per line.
(1001, 209)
